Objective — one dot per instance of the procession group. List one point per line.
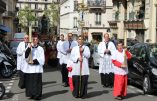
(73, 58)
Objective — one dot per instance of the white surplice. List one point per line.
(60, 54)
(21, 61)
(67, 46)
(37, 53)
(75, 55)
(105, 65)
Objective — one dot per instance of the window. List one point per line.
(36, 6)
(98, 19)
(75, 22)
(45, 6)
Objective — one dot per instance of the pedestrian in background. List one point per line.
(34, 70)
(60, 55)
(21, 61)
(67, 47)
(119, 59)
(80, 70)
(105, 49)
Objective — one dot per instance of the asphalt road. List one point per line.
(54, 91)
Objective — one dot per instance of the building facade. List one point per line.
(135, 18)
(94, 18)
(7, 15)
(68, 17)
(2, 9)
(38, 7)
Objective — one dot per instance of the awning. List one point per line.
(5, 28)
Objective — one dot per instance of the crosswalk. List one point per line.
(8, 83)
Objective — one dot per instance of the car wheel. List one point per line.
(6, 72)
(146, 85)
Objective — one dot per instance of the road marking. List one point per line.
(7, 91)
(10, 84)
(8, 87)
(12, 81)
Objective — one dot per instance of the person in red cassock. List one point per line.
(119, 59)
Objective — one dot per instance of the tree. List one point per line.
(26, 16)
(53, 14)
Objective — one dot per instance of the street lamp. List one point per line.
(81, 9)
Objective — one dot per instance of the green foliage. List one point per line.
(53, 13)
(26, 16)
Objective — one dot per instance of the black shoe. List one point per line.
(32, 97)
(37, 98)
(65, 84)
(118, 98)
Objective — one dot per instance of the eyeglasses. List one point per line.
(26, 38)
(35, 39)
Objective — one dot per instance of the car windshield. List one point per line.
(19, 35)
(14, 44)
(153, 51)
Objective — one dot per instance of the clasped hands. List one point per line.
(123, 66)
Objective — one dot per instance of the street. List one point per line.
(54, 91)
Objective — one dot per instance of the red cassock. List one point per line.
(70, 80)
(120, 80)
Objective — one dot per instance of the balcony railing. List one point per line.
(96, 3)
(131, 15)
(9, 14)
(97, 22)
(2, 6)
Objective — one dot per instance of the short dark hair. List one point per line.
(120, 42)
(62, 35)
(80, 36)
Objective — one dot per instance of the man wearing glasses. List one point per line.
(66, 50)
(21, 61)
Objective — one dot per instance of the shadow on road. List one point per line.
(49, 94)
(49, 82)
(92, 82)
(96, 93)
(130, 95)
(50, 69)
(90, 88)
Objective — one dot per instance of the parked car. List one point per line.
(143, 66)
(19, 35)
(7, 61)
(95, 57)
(13, 46)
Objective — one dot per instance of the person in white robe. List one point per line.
(34, 70)
(21, 61)
(60, 48)
(80, 70)
(105, 50)
(66, 50)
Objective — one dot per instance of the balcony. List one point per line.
(9, 14)
(97, 22)
(131, 15)
(2, 6)
(96, 5)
